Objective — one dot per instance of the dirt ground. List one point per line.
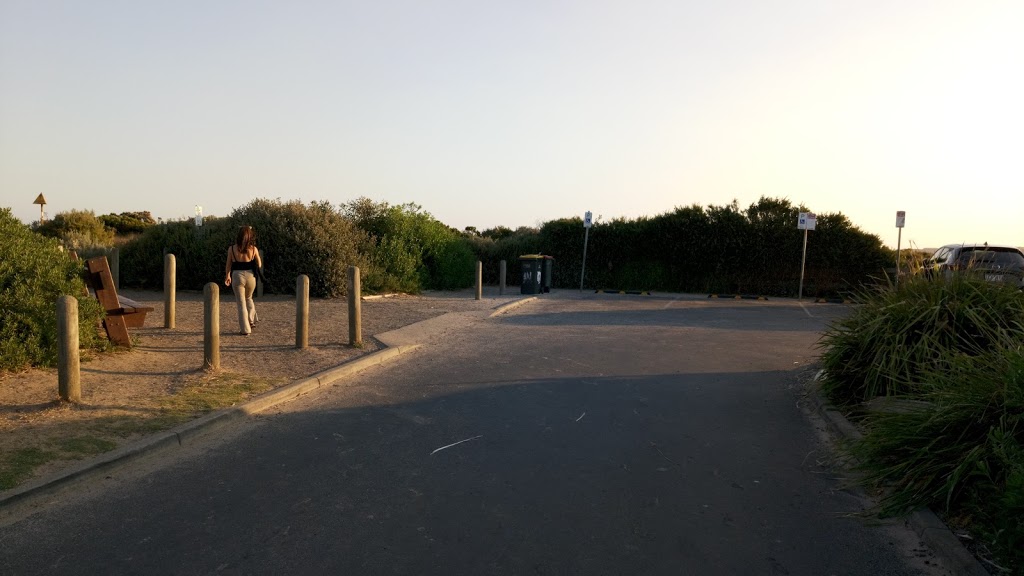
(124, 393)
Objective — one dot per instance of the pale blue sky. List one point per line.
(514, 113)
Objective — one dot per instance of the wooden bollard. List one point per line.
(115, 267)
(211, 326)
(501, 278)
(69, 379)
(170, 290)
(355, 308)
(479, 280)
(259, 285)
(302, 312)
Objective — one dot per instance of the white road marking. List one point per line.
(456, 444)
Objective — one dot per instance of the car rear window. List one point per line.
(991, 259)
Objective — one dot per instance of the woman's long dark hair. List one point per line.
(246, 238)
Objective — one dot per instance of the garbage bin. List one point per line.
(546, 276)
(532, 271)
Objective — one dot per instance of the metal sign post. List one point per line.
(901, 219)
(587, 222)
(807, 221)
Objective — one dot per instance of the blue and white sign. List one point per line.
(587, 220)
(807, 221)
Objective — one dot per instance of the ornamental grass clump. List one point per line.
(961, 451)
(898, 334)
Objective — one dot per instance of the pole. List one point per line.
(583, 271)
(302, 312)
(355, 312)
(170, 290)
(69, 380)
(211, 326)
(899, 240)
(803, 262)
(479, 280)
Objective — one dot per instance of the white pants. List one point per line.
(243, 282)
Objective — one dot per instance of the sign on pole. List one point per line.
(806, 221)
(901, 219)
(587, 222)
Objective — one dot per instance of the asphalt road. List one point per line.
(601, 434)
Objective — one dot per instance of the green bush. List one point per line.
(409, 250)
(128, 223)
(896, 335)
(961, 451)
(315, 240)
(34, 271)
(199, 254)
(78, 230)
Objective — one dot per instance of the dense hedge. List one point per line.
(34, 271)
(698, 249)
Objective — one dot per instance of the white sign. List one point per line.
(901, 218)
(807, 221)
(199, 215)
(587, 220)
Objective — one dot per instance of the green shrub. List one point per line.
(128, 223)
(78, 230)
(885, 346)
(961, 451)
(199, 254)
(409, 249)
(34, 271)
(316, 240)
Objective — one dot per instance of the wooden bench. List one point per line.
(122, 313)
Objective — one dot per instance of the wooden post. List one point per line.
(259, 285)
(479, 280)
(355, 320)
(69, 381)
(211, 326)
(501, 278)
(302, 312)
(170, 290)
(115, 267)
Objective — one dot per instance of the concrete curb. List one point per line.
(511, 305)
(180, 435)
(932, 531)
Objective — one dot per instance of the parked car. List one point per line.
(994, 263)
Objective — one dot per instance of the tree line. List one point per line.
(716, 248)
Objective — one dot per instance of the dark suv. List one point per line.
(994, 263)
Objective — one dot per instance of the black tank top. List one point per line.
(237, 266)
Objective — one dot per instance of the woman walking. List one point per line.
(240, 274)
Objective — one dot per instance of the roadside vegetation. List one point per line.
(34, 272)
(933, 372)
(403, 248)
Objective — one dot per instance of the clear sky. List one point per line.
(513, 113)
